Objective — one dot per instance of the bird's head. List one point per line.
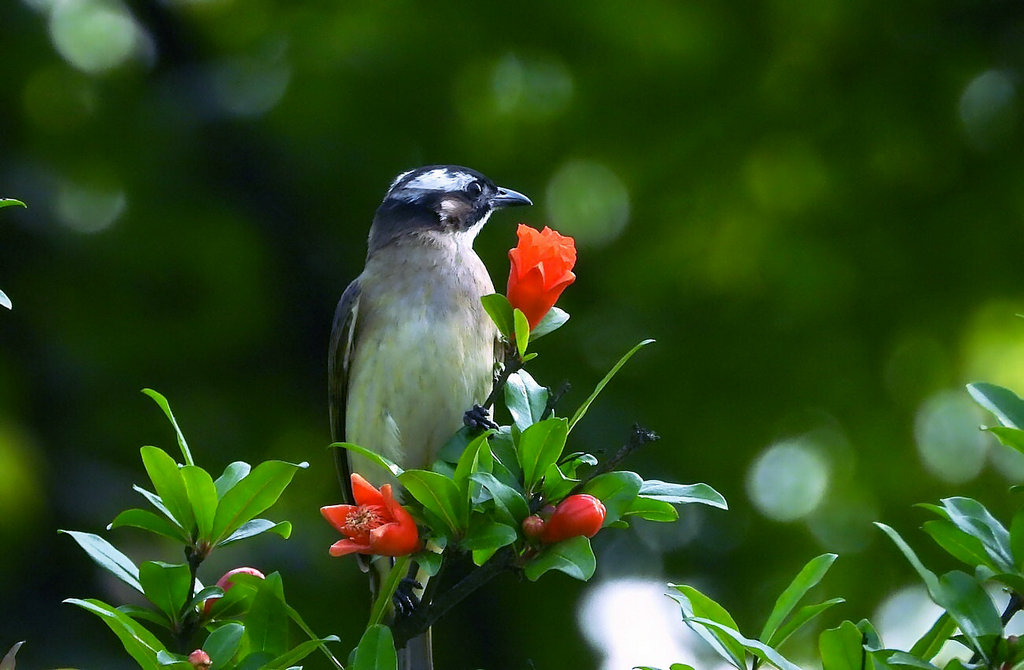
(439, 200)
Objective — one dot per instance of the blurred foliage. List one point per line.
(815, 208)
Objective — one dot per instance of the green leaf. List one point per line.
(202, 494)
(841, 647)
(140, 644)
(222, 644)
(931, 582)
(145, 614)
(500, 310)
(299, 652)
(932, 641)
(574, 557)
(806, 579)
(1017, 538)
(382, 604)
(604, 382)
(374, 458)
(904, 660)
(556, 484)
(166, 585)
(681, 494)
(617, 490)
(376, 650)
(166, 407)
(7, 662)
(509, 503)
(525, 399)
(107, 557)
(169, 485)
(173, 661)
(156, 502)
(803, 616)
(651, 510)
(971, 517)
(759, 649)
(552, 321)
(8, 202)
(146, 520)
(232, 475)
(522, 331)
(1004, 403)
(252, 495)
(257, 527)
(5, 301)
(475, 454)
(312, 636)
(540, 445)
(266, 624)
(1010, 437)
(957, 543)
(488, 535)
(439, 495)
(697, 605)
(204, 594)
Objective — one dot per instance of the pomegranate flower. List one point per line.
(541, 269)
(376, 524)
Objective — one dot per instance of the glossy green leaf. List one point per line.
(5, 301)
(540, 445)
(556, 484)
(957, 543)
(107, 557)
(932, 641)
(169, 485)
(222, 644)
(233, 474)
(1003, 403)
(967, 602)
(500, 310)
(156, 502)
(808, 577)
(902, 659)
(166, 585)
(257, 527)
(800, 618)
(477, 454)
(140, 644)
(252, 495)
(202, 494)
(8, 202)
(682, 494)
(1009, 437)
(841, 647)
(382, 604)
(1017, 539)
(166, 407)
(313, 636)
(522, 331)
(509, 503)
(299, 652)
(169, 661)
(204, 594)
(971, 517)
(525, 399)
(488, 535)
(579, 414)
(696, 605)
(617, 490)
(757, 648)
(652, 510)
(145, 614)
(146, 520)
(931, 582)
(266, 624)
(376, 650)
(374, 458)
(552, 321)
(439, 495)
(7, 662)
(574, 557)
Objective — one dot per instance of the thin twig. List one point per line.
(639, 437)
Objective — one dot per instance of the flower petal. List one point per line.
(337, 515)
(347, 546)
(364, 492)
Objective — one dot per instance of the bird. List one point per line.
(412, 348)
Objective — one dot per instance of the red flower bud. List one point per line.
(579, 514)
(200, 660)
(541, 269)
(375, 525)
(533, 526)
(225, 583)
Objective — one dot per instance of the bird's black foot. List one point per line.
(478, 420)
(404, 599)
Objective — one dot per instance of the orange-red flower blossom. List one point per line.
(541, 269)
(376, 524)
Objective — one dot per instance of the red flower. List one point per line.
(579, 514)
(541, 269)
(377, 524)
(200, 660)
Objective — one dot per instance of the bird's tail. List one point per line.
(417, 654)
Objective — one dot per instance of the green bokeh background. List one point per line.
(815, 208)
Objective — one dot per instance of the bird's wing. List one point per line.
(339, 357)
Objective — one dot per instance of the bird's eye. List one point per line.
(474, 189)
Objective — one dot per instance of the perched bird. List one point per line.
(412, 348)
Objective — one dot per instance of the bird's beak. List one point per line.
(506, 197)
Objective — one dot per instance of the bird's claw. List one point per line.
(478, 419)
(404, 600)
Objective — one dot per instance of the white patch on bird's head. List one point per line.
(410, 186)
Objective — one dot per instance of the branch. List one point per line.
(639, 437)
